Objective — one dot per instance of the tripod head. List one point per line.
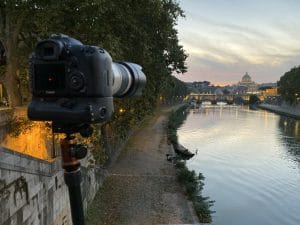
(84, 129)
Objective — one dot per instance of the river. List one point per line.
(250, 160)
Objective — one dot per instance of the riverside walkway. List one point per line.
(141, 187)
(283, 109)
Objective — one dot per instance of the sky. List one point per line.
(227, 38)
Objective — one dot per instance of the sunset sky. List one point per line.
(226, 38)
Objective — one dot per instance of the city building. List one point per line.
(250, 86)
(268, 89)
(269, 93)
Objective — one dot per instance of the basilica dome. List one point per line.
(251, 86)
(246, 78)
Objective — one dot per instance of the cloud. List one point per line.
(222, 65)
(222, 50)
(231, 43)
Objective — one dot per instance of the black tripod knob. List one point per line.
(78, 151)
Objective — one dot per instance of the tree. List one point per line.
(139, 31)
(22, 23)
(289, 85)
(174, 89)
(136, 31)
(12, 15)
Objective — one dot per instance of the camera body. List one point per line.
(74, 83)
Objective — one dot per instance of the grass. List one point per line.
(176, 119)
(192, 182)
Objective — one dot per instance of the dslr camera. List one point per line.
(73, 83)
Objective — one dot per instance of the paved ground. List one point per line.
(141, 187)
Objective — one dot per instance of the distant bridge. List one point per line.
(200, 97)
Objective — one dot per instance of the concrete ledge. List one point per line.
(284, 109)
(15, 161)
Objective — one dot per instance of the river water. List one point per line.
(250, 160)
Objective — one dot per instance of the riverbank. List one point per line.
(141, 186)
(283, 109)
(192, 181)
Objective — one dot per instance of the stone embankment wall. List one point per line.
(33, 192)
(283, 109)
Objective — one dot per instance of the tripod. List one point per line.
(71, 154)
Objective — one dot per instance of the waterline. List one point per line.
(250, 162)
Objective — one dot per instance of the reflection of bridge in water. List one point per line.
(201, 97)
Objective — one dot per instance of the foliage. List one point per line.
(95, 144)
(176, 118)
(173, 90)
(289, 85)
(136, 31)
(139, 31)
(16, 126)
(192, 182)
(194, 186)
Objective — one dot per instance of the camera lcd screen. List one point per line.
(50, 77)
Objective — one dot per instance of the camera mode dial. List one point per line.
(76, 81)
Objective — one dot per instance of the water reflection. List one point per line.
(245, 156)
(290, 127)
(290, 135)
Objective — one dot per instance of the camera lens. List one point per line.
(128, 79)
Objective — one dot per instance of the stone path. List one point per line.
(141, 187)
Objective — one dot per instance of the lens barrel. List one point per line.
(128, 79)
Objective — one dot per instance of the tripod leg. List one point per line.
(73, 180)
(72, 177)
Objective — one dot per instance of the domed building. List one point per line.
(250, 86)
(246, 79)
